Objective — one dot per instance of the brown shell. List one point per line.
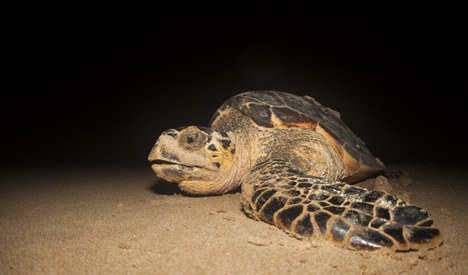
(272, 109)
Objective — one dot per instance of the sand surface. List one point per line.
(120, 221)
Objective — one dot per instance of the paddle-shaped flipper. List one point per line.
(351, 216)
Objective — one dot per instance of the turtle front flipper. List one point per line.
(355, 217)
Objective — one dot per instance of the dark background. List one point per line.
(96, 84)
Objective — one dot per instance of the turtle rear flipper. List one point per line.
(351, 216)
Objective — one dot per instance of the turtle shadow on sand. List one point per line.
(162, 187)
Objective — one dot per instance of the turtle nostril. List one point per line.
(171, 133)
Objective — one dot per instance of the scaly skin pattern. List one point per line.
(308, 206)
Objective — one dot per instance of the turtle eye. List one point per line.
(192, 137)
(192, 140)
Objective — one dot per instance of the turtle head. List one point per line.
(199, 159)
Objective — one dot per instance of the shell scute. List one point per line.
(259, 113)
(289, 118)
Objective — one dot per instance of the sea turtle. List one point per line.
(294, 160)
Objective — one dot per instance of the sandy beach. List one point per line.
(121, 221)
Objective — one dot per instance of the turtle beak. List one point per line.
(159, 154)
(165, 164)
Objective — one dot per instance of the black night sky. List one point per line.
(96, 84)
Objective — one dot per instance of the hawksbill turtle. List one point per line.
(295, 161)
